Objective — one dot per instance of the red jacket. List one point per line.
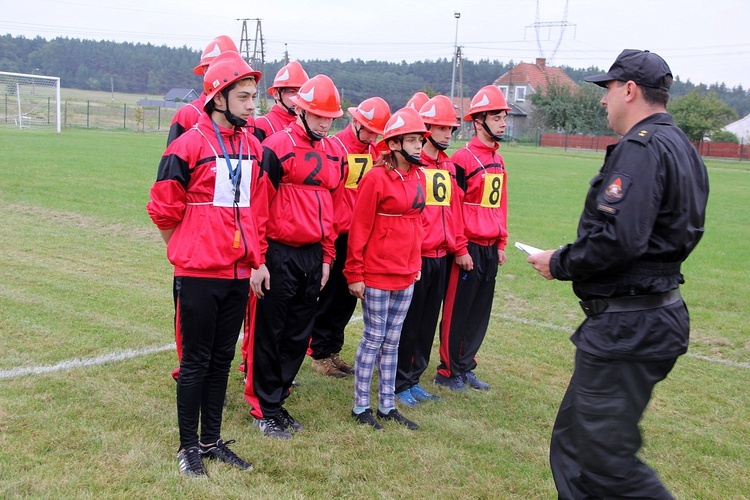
(193, 195)
(481, 175)
(362, 157)
(274, 121)
(186, 117)
(442, 219)
(386, 233)
(303, 174)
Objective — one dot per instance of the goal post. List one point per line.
(29, 101)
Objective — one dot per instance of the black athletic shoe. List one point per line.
(288, 421)
(190, 463)
(396, 416)
(455, 383)
(472, 381)
(273, 428)
(366, 418)
(220, 451)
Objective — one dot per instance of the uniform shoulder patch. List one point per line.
(616, 188)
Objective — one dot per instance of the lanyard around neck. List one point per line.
(234, 174)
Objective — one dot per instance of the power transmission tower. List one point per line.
(549, 25)
(257, 60)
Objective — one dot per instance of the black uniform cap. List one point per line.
(643, 67)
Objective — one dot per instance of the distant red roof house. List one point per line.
(521, 82)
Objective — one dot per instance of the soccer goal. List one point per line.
(29, 101)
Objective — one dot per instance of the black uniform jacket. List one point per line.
(643, 215)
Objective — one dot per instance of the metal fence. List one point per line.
(705, 148)
(93, 114)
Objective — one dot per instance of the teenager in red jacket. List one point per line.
(304, 166)
(282, 115)
(336, 304)
(444, 236)
(210, 202)
(383, 261)
(481, 176)
(285, 86)
(187, 116)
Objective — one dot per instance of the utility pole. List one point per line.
(258, 58)
(460, 89)
(286, 55)
(457, 15)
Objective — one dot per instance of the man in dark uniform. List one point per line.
(643, 215)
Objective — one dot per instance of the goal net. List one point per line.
(29, 101)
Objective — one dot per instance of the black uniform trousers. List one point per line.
(284, 319)
(596, 436)
(209, 314)
(335, 308)
(418, 330)
(466, 311)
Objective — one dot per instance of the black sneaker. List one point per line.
(288, 421)
(455, 383)
(472, 381)
(190, 463)
(220, 451)
(273, 428)
(366, 418)
(396, 416)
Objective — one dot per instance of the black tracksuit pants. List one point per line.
(283, 323)
(467, 309)
(335, 308)
(418, 331)
(209, 314)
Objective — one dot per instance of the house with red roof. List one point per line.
(520, 83)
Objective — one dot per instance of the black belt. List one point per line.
(630, 303)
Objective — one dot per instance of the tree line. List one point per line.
(150, 69)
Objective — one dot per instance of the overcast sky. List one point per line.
(703, 41)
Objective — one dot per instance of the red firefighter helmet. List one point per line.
(319, 96)
(417, 101)
(404, 121)
(489, 98)
(372, 113)
(439, 111)
(224, 70)
(218, 45)
(289, 76)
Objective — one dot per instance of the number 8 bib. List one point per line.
(493, 190)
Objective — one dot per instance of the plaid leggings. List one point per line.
(384, 312)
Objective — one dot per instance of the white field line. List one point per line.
(78, 363)
(568, 330)
(134, 353)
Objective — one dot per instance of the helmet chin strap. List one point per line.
(231, 117)
(413, 159)
(439, 145)
(494, 137)
(288, 109)
(358, 130)
(314, 136)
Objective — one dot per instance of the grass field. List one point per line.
(85, 279)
